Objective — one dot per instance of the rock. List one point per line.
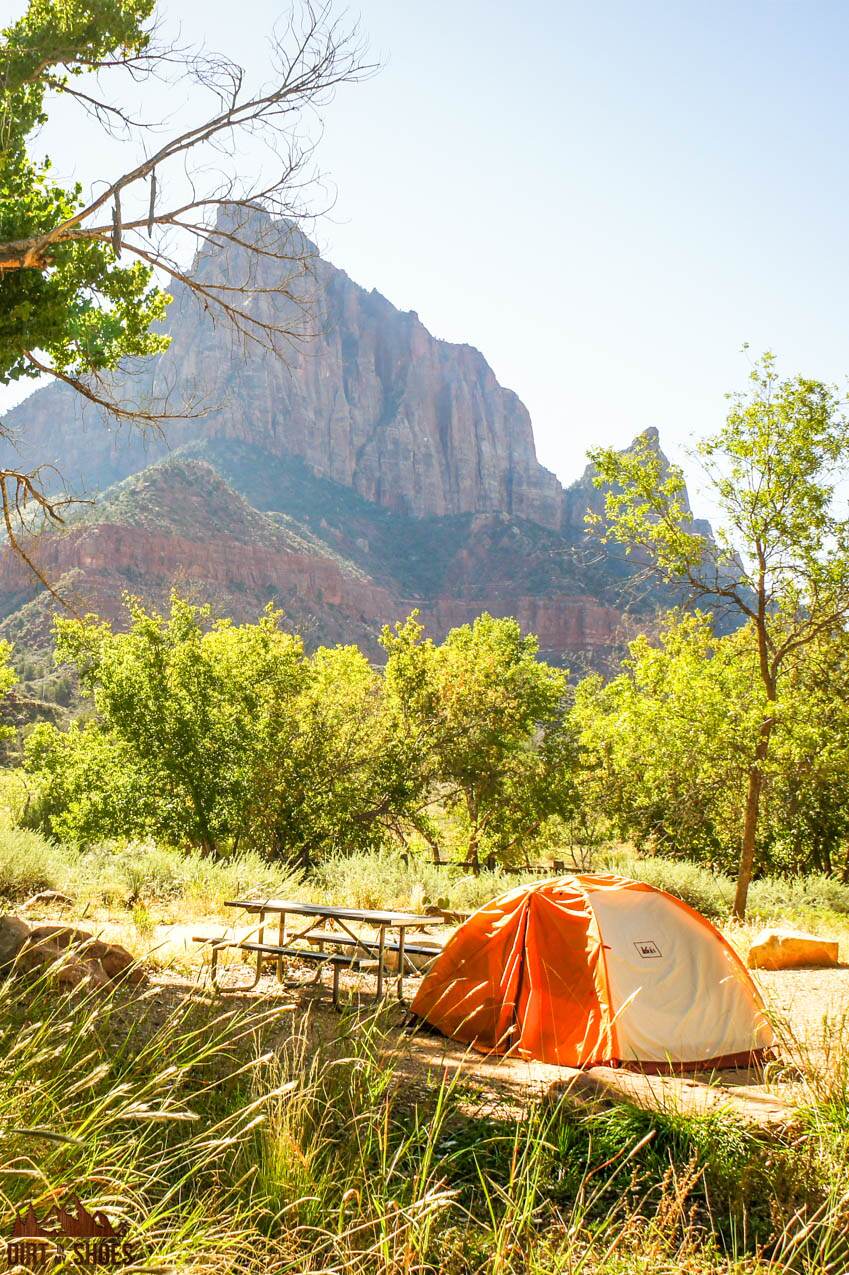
(787, 950)
(416, 959)
(14, 934)
(107, 960)
(78, 956)
(358, 434)
(66, 936)
(117, 962)
(54, 897)
(67, 971)
(372, 400)
(453, 916)
(73, 973)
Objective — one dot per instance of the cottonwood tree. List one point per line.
(81, 274)
(333, 774)
(183, 708)
(487, 722)
(222, 736)
(780, 559)
(666, 743)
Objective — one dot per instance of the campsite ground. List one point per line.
(809, 1006)
(280, 1135)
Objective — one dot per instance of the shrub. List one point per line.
(143, 872)
(711, 893)
(708, 892)
(29, 863)
(384, 879)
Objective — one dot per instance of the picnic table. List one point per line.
(326, 925)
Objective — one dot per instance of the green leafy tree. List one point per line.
(338, 776)
(187, 701)
(8, 679)
(807, 799)
(667, 745)
(78, 289)
(221, 735)
(90, 785)
(781, 557)
(487, 723)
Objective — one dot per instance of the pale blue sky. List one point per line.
(607, 199)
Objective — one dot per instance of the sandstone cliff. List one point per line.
(178, 524)
(365, 395)
(372, 470)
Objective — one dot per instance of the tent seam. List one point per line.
(608, 995)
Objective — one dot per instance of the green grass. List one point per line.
(809, 899)
(124, 875)
(120, 875)
(236, 1140)
(385, 879)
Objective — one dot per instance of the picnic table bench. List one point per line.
(362, 952)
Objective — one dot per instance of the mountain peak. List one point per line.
(372, 469)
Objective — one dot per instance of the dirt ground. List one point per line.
(813, 1002)
(805, 998)
(811, 1006)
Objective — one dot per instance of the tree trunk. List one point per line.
(750, 823)
(844, 876)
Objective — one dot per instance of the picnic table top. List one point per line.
(367, 915)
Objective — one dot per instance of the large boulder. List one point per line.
(14, 933)
(67, 971)
(107, 960)
(789, 949)
(78, 957)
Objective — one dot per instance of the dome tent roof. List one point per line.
(591, 969)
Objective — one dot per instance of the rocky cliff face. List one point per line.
(368, 399)
(178, 524)
(372, 470)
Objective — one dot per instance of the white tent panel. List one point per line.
(677, 992)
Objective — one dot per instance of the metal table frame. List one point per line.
(320, 915)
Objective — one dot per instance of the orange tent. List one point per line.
(595, 969)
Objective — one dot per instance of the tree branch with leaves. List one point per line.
(781, 555)
(81, 276)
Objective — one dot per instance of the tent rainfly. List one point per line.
(593, 969)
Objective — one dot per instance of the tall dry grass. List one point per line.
(236, 1139)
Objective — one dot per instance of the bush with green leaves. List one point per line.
(226, 736)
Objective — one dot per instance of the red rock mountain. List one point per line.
(373, 469)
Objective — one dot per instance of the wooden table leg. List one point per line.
(401, 932)
(380, 957)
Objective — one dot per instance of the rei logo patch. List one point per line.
(647, 949)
